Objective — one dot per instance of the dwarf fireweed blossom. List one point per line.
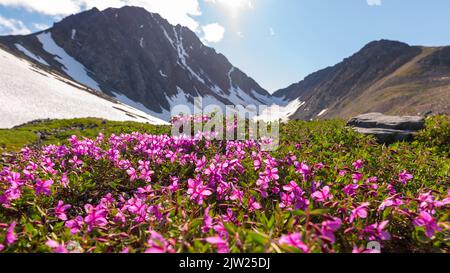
(377, 231)
(358, 164)
(11, 236)
(328, 229)
(426, 220)
(322, 195)
(75, 225)
(43, 187)
(56, 247)
(404, 177)
(96, 217)
(60, 210)
(197, 190)
(294, 240)
(303, 169)
(157, 244)
(219, 243)
(359, 212)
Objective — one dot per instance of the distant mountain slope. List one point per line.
(28, 92)
(139, 58)
(385, 76)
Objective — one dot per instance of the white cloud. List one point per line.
(213, 33)
(39, 26)
(374, 2)
(272, 31)
(233, 3)
(240, 34)
(175, 11)
(12, 27)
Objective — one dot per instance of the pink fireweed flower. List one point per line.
(444, 202)
(229, 216)
(219, 243)
(56, 247)
(197, 190)
(236, 194)
(174, 186)
(64, 180)
(293, 187)
(322, 195)
(404, 177)
(137, 207)
(257, 164)
(157, 244)
(2, 247)
(356, 177)
(390, 202)
(359, 212)
(303, 169)
(221, 229)
(426, 200)
(75, 225)
(342, 173)
(11, 236)
(60, 210)
(172, 156)
(207, 221)
(43, 187)
(358, 164)
(376, 231)
(328, 229)
(319, 166)
(372, 179)
(350, 190)
(272, 174)
(76, 162)
(294, 240)
(200, 164)
(253, 205)
(96, 217)
(286, 200)
(132, 173)
(426, 220)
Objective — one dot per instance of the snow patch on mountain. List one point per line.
(71, 66)
(322, 112)
(279, 112)
(31, 55)
(182, 55)
(162, 74)
(37, 94)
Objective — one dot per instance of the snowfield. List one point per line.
(37, 94)
(71, 66)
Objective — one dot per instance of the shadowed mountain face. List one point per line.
(141, 59)
(385, 76)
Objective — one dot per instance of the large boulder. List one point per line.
(388, 129)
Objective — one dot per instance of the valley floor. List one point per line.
(132, 188)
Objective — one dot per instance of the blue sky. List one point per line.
(277, 42)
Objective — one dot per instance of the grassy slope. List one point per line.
(58, 131)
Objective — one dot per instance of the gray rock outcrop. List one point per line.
(387, 129)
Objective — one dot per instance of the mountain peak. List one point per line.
(141, 59)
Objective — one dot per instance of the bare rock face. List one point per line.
(387, 129)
